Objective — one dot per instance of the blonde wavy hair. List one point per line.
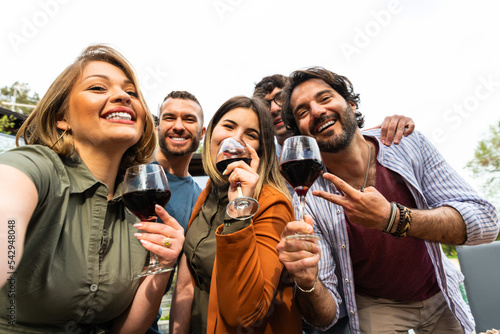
(268, 168)
(40, 127)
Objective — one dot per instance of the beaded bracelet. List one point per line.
(311, 289)
(405, 219)
(392, 218)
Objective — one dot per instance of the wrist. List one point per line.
(309, 290)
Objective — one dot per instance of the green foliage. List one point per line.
(19, 93)
(6, 122)
(486, 163)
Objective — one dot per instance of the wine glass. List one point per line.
(145, 186)
(231, 150)
(300, 165)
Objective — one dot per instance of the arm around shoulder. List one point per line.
(180, 310)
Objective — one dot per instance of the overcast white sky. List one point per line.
(434, 60)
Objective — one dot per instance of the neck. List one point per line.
(103, 165)
(281, 139)
(351, 164)
(176, 165)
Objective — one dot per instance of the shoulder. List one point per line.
(33, 159)
(272, 196)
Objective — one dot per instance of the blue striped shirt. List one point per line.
(433, 183)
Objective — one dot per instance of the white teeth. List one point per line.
(119, 115)
(177, 138)
(327, 124)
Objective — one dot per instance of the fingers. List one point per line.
(341, 186)
(394, 127)
(255, 158)
(166, 218)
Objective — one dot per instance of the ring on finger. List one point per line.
(166, 242)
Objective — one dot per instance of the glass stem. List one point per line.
(153, 259)
(302, 204)
(240, 193)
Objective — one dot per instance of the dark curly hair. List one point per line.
(268, 84)
(339, 83)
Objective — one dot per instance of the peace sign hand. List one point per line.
(369, 208)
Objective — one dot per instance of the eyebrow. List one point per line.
(103, 76)
(233, 122)
(316, 96)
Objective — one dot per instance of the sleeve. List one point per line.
(443, 186)
(247, 268)
(42, 165)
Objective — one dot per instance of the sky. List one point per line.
(436, 61)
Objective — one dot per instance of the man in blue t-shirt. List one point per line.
(180, 131)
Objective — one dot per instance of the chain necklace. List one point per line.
(367, 167)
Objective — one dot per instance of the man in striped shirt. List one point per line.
(381, 213)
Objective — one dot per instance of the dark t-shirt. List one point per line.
(386, 267)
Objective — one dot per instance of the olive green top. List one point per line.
(80, 257)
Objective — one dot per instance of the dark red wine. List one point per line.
(301, 174)
(222, 165)
(142, 202)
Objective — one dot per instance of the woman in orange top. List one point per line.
(230, 279)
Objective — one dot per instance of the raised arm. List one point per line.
(18, 200)
(144, 308)
(182, 299)
(301, 258)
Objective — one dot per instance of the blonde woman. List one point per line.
(76, 254)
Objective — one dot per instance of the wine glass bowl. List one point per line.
(301, 165)
(144, 186)
(231, 150)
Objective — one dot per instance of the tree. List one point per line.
(18, 98)
(486, 164)
(6, 122)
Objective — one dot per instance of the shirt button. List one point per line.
(101, 251)
(93, 287)
(347, 280)
(343, 246)
(352, 312)
(338, 211)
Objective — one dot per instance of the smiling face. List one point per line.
(180, 129)
(322, 113)
(240, 123)
(104, 111)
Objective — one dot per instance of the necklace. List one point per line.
(367, 167)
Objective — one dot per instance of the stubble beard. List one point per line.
(195, 143)
(336, 143)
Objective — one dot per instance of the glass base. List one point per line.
(242, 208)
(309, 237)
(153, 270)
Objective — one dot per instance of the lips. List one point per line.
(120, 113)
(325, 126)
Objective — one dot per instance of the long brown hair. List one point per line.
(268, 168)
(40, 127)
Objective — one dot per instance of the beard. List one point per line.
(338, 142)
(174, 151)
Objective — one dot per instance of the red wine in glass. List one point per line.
(301, 174)
(142, 202)
(300, 165)
(144, 186)
(231, 150)
(222, 165)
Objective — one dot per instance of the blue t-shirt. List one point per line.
(185, 192)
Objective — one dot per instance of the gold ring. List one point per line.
(167, 242)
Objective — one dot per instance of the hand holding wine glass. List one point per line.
(300, 165)
(144, 187)
(232, 150)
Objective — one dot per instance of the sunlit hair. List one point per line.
(40, 127)
(339, 83)
(268, 168)
(268, 84)
(183, 95)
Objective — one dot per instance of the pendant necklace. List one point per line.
(367, 167)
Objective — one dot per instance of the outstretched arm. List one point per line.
(18, 200)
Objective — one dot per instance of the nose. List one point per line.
(317, 110)
(178, 125)
(121, 96)
(274, 109)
